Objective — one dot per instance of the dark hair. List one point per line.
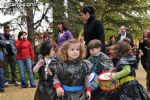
(6, 27)
(146, 31)
(90, 9)
(46, 35)
(95, 43)
(20, 34)
(45, 48)
(64, 25)
(123, 48)
(123, 26)
(110, 42)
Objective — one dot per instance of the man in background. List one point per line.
(123, 34)
(10, 57)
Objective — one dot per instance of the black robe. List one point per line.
(45, 90)
(72, 73)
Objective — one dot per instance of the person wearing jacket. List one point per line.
(93, 29)
(63, 33)
(2, 65)
(25, 56)
(9, 56)
(123, 34)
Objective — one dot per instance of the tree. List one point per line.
(25, 20)
(132, 13)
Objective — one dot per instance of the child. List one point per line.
(111, 54)
(72, 72)
(45, 85)
(101, 63)
(129, 88)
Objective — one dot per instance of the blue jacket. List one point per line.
(14, 50)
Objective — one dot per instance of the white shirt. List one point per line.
(123, 36)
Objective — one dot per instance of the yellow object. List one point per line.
(109, 86)
(126, 79)
(80, 34)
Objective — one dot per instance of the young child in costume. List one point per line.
(45, 90)
(101, 63)
(129, 87)
(72, 72)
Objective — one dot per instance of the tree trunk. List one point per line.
(30, 23)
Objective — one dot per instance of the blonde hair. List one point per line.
(62, 51)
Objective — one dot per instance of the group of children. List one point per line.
(66, 75)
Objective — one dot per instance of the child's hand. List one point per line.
(60, 92)
(88, 94)
(41, 61)
(49, 72)
(112, 70)
(38, 65)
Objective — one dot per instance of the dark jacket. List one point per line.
(143, 47)
(128, 35)
(93, 29)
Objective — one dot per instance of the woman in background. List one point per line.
(25, 56)
(112, 40)
(63, 33)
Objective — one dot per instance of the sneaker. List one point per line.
(33, 86)
(16, 83)
(2, 90)
(24, 86)
(6, 84)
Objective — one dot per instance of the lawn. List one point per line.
(36, 76)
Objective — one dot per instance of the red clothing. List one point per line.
(24, 49)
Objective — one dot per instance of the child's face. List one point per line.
(94, 51)
(73, 51)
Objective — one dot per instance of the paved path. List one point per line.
(15, 93)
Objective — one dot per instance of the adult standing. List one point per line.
(2, 64)
(93, 29)
(63, 33)
(147, 61)
(25, 56)
(143, 47)
(123, 34)
(9, 56)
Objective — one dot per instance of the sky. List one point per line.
(38, 14)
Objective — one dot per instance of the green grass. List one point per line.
(36, 76)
